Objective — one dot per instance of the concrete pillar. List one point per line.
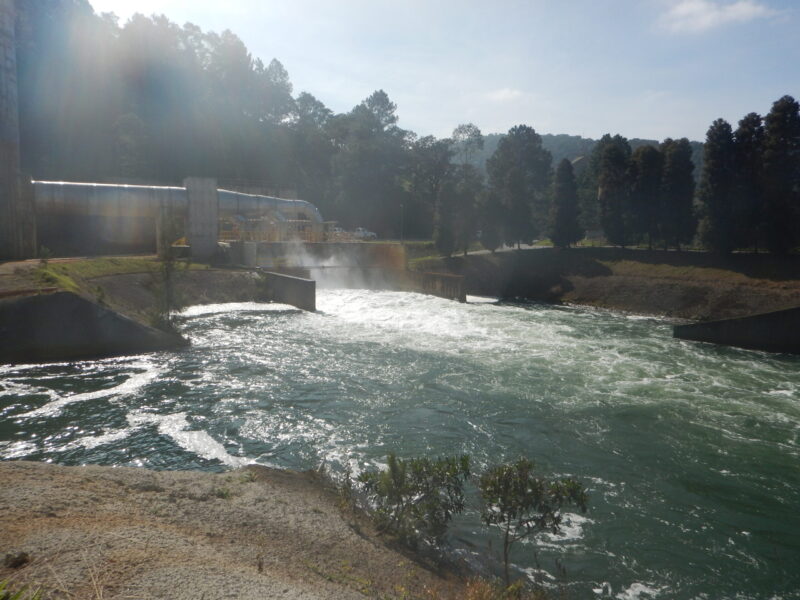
(203, 227)
(17, 225)
(250, 254)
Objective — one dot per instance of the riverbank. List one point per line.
(102, 532)
(683, 285)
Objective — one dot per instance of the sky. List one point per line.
(642, 68)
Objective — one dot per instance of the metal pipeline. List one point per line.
(116, 200)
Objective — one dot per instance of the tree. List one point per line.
(519, 174)
(782, 175)
(749, 168)
(589, 179)
(467, 142)
(457, 209)
(564, 227)
(417, 498)
(429, 168)
(371, 159)
(677, 193)
(646, 165)
(613, 194)
(717, 226)
(522, 504)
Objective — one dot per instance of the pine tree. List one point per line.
(677, 193)
(645, 174)
(613, 194)
(564, 227)
(782, 175)
(717, 226)
(748, 164)
(519, 174)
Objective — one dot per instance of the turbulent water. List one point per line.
(690, 451)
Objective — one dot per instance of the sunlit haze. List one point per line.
(643, 68)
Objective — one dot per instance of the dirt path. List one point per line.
(125, 533)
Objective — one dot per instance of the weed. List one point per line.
(223, 493)
(21, 594)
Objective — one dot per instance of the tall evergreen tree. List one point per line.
(589, 179)
(677, 193)
(717, 225)
(782, 176)
(519, 174)
(613, 194)
(749, 194)
(646, 165)
(564, 227)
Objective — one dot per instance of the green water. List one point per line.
(690, 451)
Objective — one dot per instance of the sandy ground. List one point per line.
(124, 533)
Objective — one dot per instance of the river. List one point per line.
(690, 451)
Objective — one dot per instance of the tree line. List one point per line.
(747, 196)
(151, 101)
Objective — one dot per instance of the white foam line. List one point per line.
(212, 309)
(176, 427)
(128, 386)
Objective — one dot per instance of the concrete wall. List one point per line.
(331, 255)
(203, 225)
(64, 326)
(442, 285)
(287, 289)
(772, 332)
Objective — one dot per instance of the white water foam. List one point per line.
(176, 427)
(129, 386)
(230, 307)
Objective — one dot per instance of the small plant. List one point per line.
(21, 594)
(416, 498)
(223, 493)
(44, 255)
(521, 504)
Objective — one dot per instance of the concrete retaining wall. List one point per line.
(64, 326)
(442, 285)
(287, 289)
(772, 332)
(203, 216)
(331, 255)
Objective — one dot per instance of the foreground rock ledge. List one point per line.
(254, 533)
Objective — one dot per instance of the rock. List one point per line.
(16, 560)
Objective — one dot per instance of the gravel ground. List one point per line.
(125, 533)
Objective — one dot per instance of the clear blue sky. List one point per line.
(642, 68)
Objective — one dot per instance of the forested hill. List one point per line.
(563, 146)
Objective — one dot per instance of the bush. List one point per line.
(521, 504)
(416, 498)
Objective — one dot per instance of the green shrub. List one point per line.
(521, 504)
(416, 498)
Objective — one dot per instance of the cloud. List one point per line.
(505, 95)
(697, 16)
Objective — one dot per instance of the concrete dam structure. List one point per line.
(90, 218)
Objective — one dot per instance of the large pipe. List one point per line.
(114, 200)
(236, 203)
